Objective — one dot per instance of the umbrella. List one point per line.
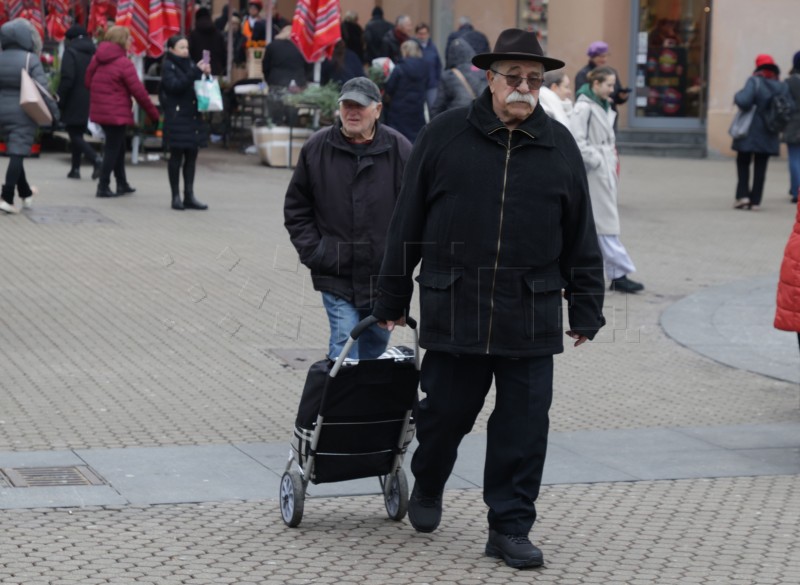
(134, 15)
(164, 21)
(316, 28)
(57, 19)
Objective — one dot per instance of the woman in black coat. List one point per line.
(184, 130)
(406, 88)
(73, 98)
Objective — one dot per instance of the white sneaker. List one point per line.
(7, 207)
(26, 202)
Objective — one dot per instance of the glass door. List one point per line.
(669, 65)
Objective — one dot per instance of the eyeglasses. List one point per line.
(516, 80)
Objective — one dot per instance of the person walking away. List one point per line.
(791, 134)
(343, 66)
(556, 96)
(113, 82)
(206, 37)
(476, 39)
(353, 35)
(495, 263)
(73, 98)
(337, 209)
(422, 33)
(598, 53)
(592, 125)
(406, 88)
(760, 143)
(461, 81)
(374, 32)
(283, 63)
(21, 46)
(392, 40)
(787, 312)
(184, 129)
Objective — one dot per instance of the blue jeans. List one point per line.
(794, 169)
(343, 316)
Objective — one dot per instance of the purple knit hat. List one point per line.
(597, 48)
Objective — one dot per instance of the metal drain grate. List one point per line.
(20, 477)
(65, 214)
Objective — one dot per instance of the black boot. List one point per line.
(104, 191)
(74, 174)
(98, 165)
(189, 202)
(176, 202)
(124, 189)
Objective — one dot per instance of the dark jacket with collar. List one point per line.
(183, 124)
(758, 92)
(338, 207)
(72, 92)
(791, 134)
(502, 222)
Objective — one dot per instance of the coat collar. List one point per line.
(380, 142)
(535, 129)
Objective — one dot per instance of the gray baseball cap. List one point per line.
(360, 90)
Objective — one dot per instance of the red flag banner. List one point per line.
(134, 15)
(163, 21)
(100, 13)
(316, 28)
(58, 19)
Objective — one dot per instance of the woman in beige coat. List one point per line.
(592, 125)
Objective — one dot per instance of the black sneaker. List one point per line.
(424, 512)
(515, 549)
(626, 285)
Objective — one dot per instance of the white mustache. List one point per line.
(516, 96)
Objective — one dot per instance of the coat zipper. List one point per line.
(499, 240)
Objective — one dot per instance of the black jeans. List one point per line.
(78, 146)
(759, 175)
(15, 178)
(113, 156)
(456, 387)
(188, 158)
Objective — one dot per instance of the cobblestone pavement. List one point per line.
(158, 328)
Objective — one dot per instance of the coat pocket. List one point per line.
(325, 259)
(541, 305)
(437, 292)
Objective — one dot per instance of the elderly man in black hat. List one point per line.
(338, 207)
(495, 204)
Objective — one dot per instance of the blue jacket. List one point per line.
(406, 88)
(757, 92)
(430, 54)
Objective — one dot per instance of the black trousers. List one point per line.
(455, 388)
(759, 175)
(78, 146)
(186, 157)
(113, 156)
(15, 178)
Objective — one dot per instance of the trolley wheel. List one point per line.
(292, 498)
(395, 495)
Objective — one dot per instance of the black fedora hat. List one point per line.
(515, 44)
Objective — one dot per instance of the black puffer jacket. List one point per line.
(452, 92)
(183, 124)
(406, 89)
(791, 134)
(72, 91)
(338, 207)
(506, 223)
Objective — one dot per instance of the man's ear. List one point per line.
(378, 108)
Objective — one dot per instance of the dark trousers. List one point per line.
(78, 146)
(188, 158)
(456, 387)
(759, 175)
(15, 178)
(113, 156)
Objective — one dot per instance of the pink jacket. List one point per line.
(112, 82)
(787, 315)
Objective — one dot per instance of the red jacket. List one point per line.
(112, 82)
(787, 316)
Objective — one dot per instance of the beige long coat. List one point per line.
(593, 129)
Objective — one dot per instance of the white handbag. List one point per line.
(31, 97)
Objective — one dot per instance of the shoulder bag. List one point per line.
(464, 82)
(31, 98)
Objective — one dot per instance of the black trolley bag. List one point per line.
(355, 420)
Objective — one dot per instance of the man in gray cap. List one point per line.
(338, 207)
(496, 205)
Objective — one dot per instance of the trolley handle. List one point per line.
(369, 321)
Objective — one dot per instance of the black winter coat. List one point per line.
(406, 88)
(758, 91)
(791, 134)
(206, 37)
(502, 222)
(73, 94)
(338, 207)
(183, 124)
(283, 62)
(374, 32)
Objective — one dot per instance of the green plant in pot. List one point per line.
(325, 97)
